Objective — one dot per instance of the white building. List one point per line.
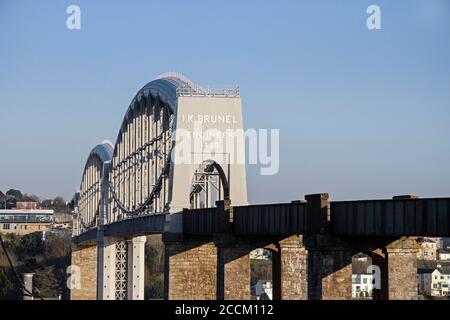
(264, 286)
(444, 254)
(25, 221)
(260, 254)
(434, 282)
(362, 285)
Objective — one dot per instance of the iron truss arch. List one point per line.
(139, 173)
(209, 184)
(88, 200)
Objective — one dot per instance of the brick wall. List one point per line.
(402, 269)
(235, 263)
(292, 269)
(191, 270)
(86, 259)
(329, 268)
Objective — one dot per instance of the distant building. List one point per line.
(362, 285)
(444, 254)
(62, 220)
(434, 282)
(29, 205)
(428, 250)
(260, 254)
(445, 243)
(25, 221)
(362, 280)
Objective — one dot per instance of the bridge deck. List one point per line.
(145, 225)
(368, 218)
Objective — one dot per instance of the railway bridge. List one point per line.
(160, 177)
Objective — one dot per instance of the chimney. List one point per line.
(28, 284)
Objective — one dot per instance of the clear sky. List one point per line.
(362, 114)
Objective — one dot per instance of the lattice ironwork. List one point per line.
(121, 274)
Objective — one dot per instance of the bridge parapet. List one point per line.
(401, 216)
(285, 219)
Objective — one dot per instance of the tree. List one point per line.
(260, 270)
(59, 204)
(264, 296)
(5, 284)
(47, 204)
(31, 244)
(46, 281)
(48, 260)
(154, 256)
(15, 193)
(30, 197)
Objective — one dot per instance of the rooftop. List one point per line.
(25, 211)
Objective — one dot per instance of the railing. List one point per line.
(204, 221)
(207, 92)
(274, 219)
(398, 217)
(25, 219)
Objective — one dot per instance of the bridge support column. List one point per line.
(402, 269)
(136, 267)
(233, 272)
(190, 268)
(106, 268)
(84, 260)
(291, 269)
(379, 260)
(329, 269)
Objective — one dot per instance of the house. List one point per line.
(28, 205)
(428, 250)
(362, 285)
(263, 286)
(261, 254)
(444, 254)
(25, 221)
(446, 243)
(434, 282)
(362, 280)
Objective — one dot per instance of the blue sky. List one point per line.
(362, 114)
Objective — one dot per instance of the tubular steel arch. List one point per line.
(136, 181)
(139, 172)
(87, 206)
(209, 184)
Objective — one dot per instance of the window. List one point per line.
(365, 280)
(6, 226)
